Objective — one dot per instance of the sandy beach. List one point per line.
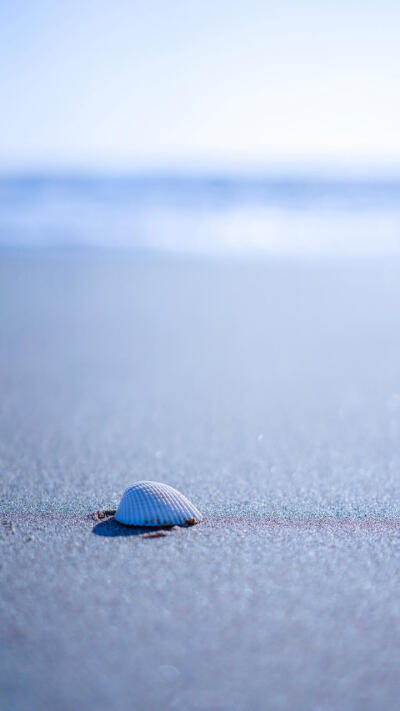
(269, 394)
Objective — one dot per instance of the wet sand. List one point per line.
(270, 395)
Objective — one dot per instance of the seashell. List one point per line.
(149, 503)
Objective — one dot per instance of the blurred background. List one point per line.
(258, 128)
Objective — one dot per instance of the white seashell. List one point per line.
(149, 503)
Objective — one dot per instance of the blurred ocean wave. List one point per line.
(203, 215)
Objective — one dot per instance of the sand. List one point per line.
(270, 395)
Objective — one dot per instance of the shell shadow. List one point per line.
(112, 529)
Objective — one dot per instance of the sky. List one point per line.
(122, 84)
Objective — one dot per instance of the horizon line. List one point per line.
(186, 172)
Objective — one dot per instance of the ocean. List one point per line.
(224, 216)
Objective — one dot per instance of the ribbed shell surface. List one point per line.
(149, 503)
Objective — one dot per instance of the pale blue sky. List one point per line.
(127, 84)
